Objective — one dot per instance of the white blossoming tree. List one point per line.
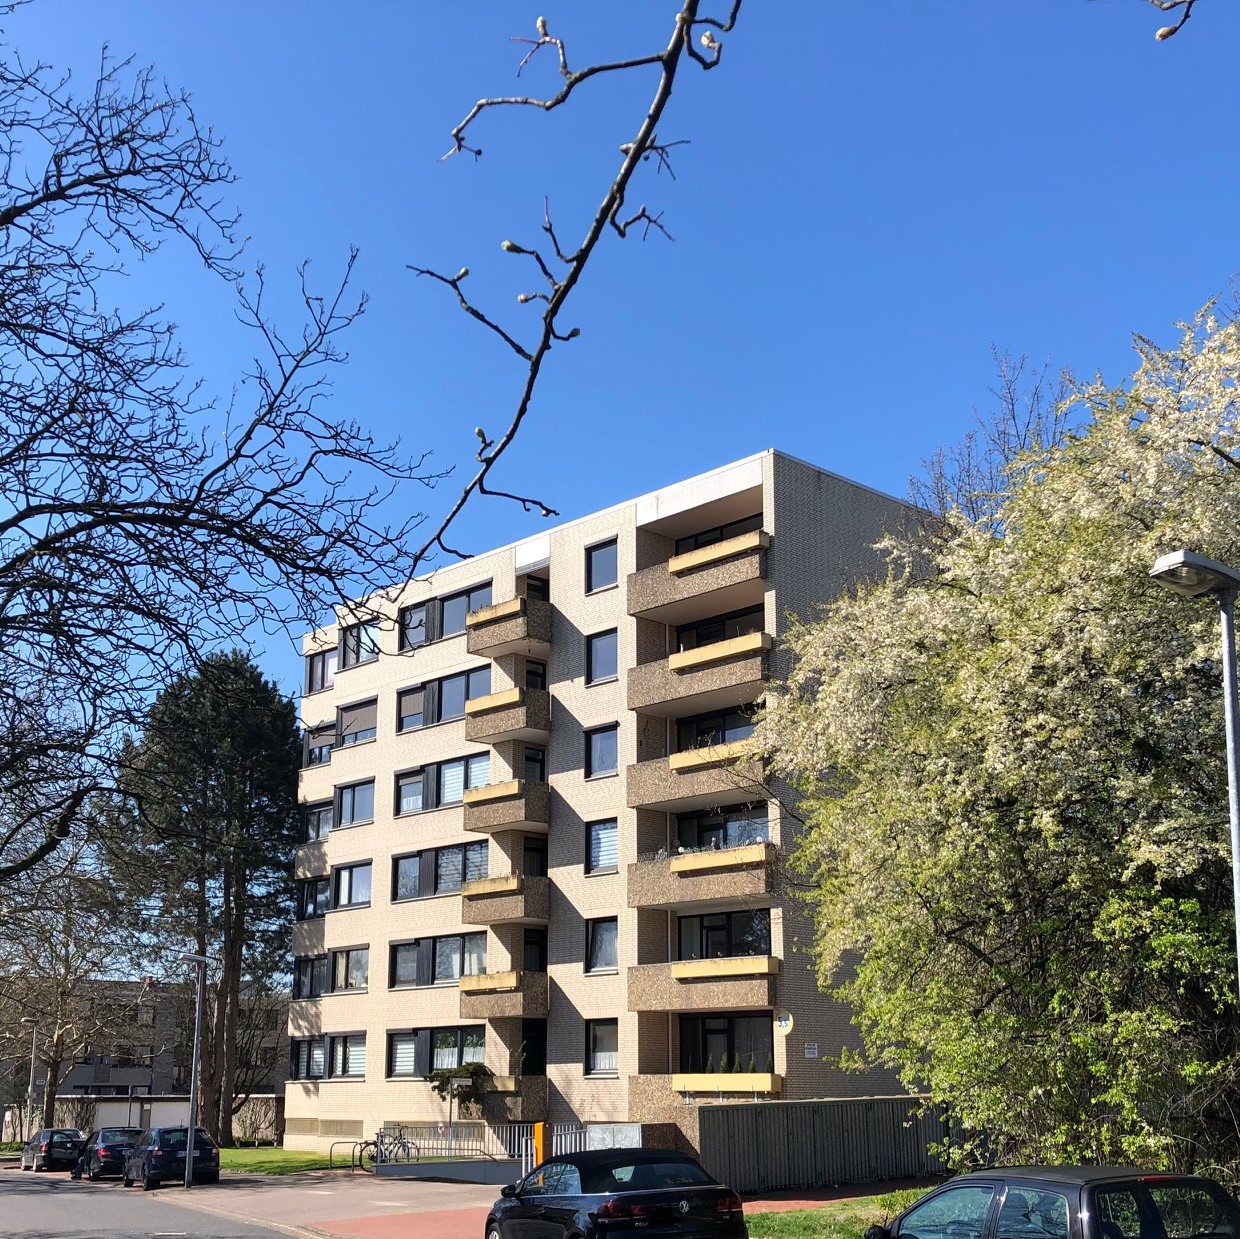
(1011, 762)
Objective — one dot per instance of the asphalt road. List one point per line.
(53, 1206)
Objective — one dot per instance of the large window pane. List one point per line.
(474, 955)
(447, 959)
(448, 865)
(452, 697)
(474, 1044)
(404, 963)
(454, 611)
(603, 846)
(413, 626)
(452, 781)
(402, 1054)
(600, 565)
(601, 945)
(446, 1049)
(478, 770)
(409, 707)
(601, 751)
(475, 861)
(601, 657)
(406, 875)
(357, 803)
(409, 798)
(603, 1045)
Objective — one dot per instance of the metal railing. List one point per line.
(465, 1139)
(565, 1138)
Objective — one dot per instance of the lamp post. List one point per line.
(202, 961)
(1190, 574)
(34, 1038)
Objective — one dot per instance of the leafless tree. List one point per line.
(556, 271)
(1183, 9)
(140, 521)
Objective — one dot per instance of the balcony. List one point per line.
(515, 1099)
(508, 899)
(748, 1082)
(738, 983)
(515, 805)
(699, 879)
(710, 678)
(728, 576)
(518, 626)
(513, 714)
(504, 995)
(715, 774)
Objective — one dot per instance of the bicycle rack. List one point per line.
(355, 1157)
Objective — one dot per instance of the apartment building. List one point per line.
(533, 837)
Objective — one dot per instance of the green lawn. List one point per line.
(274, 1161)
(837, 1219)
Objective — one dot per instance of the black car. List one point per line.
(52, 1148)
(585, 1195)
(158, 1155)
(105, 1149)
(1069, 1202)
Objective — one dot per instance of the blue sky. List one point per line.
(874, 194)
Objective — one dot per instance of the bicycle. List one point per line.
(387, 1146)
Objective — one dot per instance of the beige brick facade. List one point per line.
(813, 538)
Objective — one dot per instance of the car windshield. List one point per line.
(638, 1176)
(117, 1135)
(175, 1137)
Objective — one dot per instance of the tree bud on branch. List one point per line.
(1165, 32)
(509, 246)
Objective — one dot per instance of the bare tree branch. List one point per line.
(688, 24)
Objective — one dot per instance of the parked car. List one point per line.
(104, 1150)
(651, 1191)
(52, 1148)
(159, 1153)
(1069, 1202)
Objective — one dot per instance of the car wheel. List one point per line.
(494, 1232)
(149, 1181)
(125, 1176)
(93, 1171)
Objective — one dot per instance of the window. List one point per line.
(704, 729)
(603, 1047)
(419, 1051)
(352, 886)
(312, 898)
(535, 674)
(456, 607)
(726, 828)
(718, 533)
(538, 589)
(601, 750)
(409, 792)
(356, 724)
(465, 772)
(1030, 1210)
(721, 628)
(460, 955)
(726, 1043)
(350, 968)
(600, 566)
(306, 1059)
(535, 765)
(440, 617)
(319, 741)
(959, 1210)
(310, 977)
(441, 700)
(359, 643)
(534, 949)
(348, 1054)
(534, 856)
(721, 935)
(317, 821)
(601, 657)
(437, 871)
(601, 945)
(355, 803)
(602, 854)
(320, 671)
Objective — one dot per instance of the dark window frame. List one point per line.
(612, 674)
(590, 867)
(353, 646)
(589, 966)
(707, 730)
(301, 1050)
(432, 615)
(310, 976)
(433, 695)
(429, 888)
(318, 677)
(339, 797)
(589, 734)
(346, 1073)
(322, 900)
(693, 1056)
(319, 754)
(431, 775)
(592, 585)
(710, 829)
(346, 954)
(313, 829)
(338, 871)
(757, 613)
(363, 735)
(730, 932)
(590, 1051)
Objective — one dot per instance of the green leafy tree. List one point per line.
(1011, 761)
(213, 783)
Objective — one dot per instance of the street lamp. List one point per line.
(1185, 572)
(202, 961)
(34, 1038)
